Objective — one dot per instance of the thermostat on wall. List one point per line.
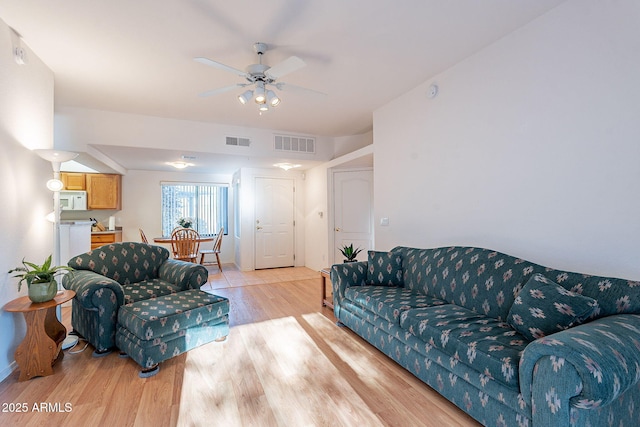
(433, 91)
(20, 56)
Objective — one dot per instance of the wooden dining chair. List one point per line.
(142, 236)
(185, 243)
(217, 244)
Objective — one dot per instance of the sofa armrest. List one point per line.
(346, 275)
(86, 283)
(603, 357)
(186, 275)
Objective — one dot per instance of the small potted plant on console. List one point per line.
(349, 253)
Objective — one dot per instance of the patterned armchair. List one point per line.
(112, 275)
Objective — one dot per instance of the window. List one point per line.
(205, 204)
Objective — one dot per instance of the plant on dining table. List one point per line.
(185, 222)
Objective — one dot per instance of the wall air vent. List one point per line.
(298, 144)
(238, 142)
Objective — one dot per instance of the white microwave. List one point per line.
(73, 200)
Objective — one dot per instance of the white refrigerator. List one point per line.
(75, 239)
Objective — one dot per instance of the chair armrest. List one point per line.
(603, 357)
(346, 275)
(185, 274)
(87, 283)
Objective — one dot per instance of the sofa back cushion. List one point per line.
(384, 268)
(487, 281)
(543, 307)
(126, 262)
(480, 280)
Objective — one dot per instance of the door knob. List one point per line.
(258, 228)
(338, 229)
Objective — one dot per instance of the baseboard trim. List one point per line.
(8, 370)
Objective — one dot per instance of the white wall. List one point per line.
(530, 148)
(316, 214)
(26, 122)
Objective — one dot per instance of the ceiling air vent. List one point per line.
(298, 144)
(238, 142)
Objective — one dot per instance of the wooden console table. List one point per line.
(40, 349)
(325, 274)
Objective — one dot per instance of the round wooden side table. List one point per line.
(40, 349)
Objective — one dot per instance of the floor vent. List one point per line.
(298, 144)
(237, 141)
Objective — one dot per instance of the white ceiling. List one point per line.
(137, 56)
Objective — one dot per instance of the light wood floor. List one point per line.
(285, 363)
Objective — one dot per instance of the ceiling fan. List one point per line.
(263, 77)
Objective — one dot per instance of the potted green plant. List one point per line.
(185, 222)
(40, 279)
(349, 253)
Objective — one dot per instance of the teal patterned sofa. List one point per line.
(110, 276)
(510, 342)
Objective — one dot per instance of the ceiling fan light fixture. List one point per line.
(272, 98)
(261, 95)
(245, 97)
(259, 76)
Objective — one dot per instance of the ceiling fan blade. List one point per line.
(287, 66)
(219, 65)
(221, 90)
(293, 88)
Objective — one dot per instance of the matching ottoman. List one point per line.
(154, 330)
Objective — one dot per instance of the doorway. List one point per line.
(274, 223)
(352, 211)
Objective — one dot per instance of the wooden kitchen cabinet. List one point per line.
(104, 191)
(104, 238)
(73, 180)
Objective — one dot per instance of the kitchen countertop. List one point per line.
(117, 230)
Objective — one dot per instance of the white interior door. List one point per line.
(274, 222)
(353, 211)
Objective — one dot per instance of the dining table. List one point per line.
(168, 239)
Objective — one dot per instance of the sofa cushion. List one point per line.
(491, 347)
(126, 262)
(481, 280)
(487, 281)
(543, 307)
(148, 289)
(388, 302)
(384, 268)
